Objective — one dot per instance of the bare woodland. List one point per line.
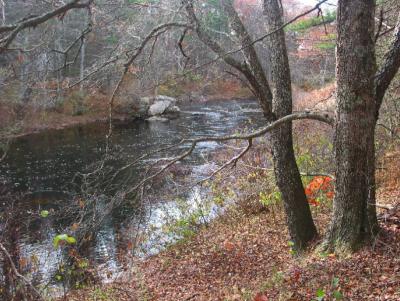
(96, 60)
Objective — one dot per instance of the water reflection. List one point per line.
(44, 165)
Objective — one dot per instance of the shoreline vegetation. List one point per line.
(84, 108)
(246, 256)
(295, 197)
(37, 121)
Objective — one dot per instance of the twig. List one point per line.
(18, 274)
(37, 20)
(195, 141)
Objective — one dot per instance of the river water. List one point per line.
(44, 165)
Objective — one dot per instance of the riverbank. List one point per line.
(250, 259)
(17, 121)
(247, 256)
(79, 108)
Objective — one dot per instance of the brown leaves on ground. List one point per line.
(247, 257)
(219, 263)
(257, 265)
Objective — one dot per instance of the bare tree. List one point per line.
(276, 103)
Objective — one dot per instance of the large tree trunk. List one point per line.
(299, 219)
(301, 225)
(354, 135)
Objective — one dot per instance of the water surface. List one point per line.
(44, 165)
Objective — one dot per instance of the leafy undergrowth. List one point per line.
(250, 258)
(247, 255)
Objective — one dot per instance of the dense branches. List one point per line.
(33, 21)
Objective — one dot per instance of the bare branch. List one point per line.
(153, 34)
(15, 29)
(251, 68)
(248, 137)
(233, 161)
(181, 41)
(389, 68)
(18, 274)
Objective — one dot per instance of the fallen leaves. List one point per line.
(260, 297)
(246, 257)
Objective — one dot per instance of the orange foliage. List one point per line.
(318, 185)
(260, 297)
(229, 246)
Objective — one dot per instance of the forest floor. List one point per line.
(248, 257)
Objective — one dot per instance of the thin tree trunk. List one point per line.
(355, 123)
(3, 12)
(299, 219)
(82, 54)
(383, 80)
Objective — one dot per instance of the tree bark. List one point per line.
(355, 124)
(383, 79)
(300, 222)
(299, 219)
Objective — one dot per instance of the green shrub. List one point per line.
(305, 24)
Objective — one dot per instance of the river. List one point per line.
(43, 165)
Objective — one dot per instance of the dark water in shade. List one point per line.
(44, 165)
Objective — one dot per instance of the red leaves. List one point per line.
(318, 185)
(229, 246)
(260, 297)
(330, 194)
(295, 274)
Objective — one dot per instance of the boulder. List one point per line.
(157, 119)
(172, 110)
(163, 105)
(143, 107)
(164, 98)
(133, 106)
(159, 107)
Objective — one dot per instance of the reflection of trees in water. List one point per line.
(11, 227)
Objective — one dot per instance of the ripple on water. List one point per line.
(48, 161)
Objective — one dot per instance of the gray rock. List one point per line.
(133, 106)
(173, 110)
(157, 119)
(164, 98)
(142, 107)
(163, 105)
(159, 107)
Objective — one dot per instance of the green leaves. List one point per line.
(44, 213)
(333, 293)
(63, 238)
(273, 198)
(335, 282)
(304, 24)
(320, 294)
(338, 295)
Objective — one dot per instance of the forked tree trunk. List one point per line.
(275, 104)
(299, 219)
(383, 79)
(355, 123)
